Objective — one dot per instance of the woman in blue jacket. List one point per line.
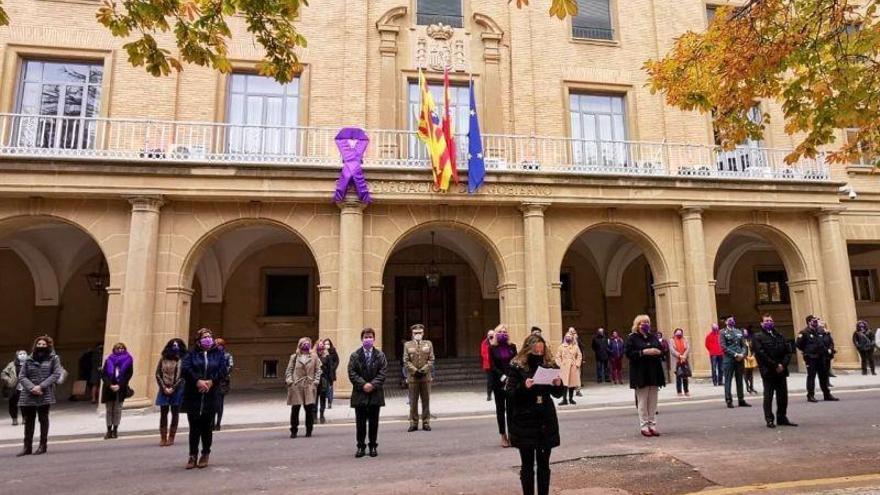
(204, 368)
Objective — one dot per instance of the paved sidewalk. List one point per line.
(76, 419)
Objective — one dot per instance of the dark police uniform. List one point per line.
(771, 350)
(814, 347)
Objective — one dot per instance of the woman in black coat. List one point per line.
(646, 375)
(329, 365)
(534, 428)
(501, 352)
(204, 369)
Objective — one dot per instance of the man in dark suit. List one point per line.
(774, 355)
(366, 370)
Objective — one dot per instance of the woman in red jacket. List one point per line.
(716, 355)
(486, 362)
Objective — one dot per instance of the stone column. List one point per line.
(840, 306)
(535, 257)
(139, 294)
(350, 289)
(699, 290)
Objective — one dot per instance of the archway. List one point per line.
(444, 276)
(255, 283)
(608, 276)
(759, 270)
(53, 281)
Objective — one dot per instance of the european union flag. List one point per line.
(476, 167)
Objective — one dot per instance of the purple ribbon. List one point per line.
(352, 143)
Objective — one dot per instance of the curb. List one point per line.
(479, 414)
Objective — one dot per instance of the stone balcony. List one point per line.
(144, 142)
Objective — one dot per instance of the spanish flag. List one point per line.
(431, 133)
(450, 170)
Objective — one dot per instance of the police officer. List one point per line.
(773, 354)
(814, 343)
(418, 357)
(734, 353)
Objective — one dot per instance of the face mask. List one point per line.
(417, 337)
(22, 356)
(305, 347)
(320, 347)
(731, 322)
(535, 360)
(175, 347)
(645, 327)
(368, 343)
(501, 338)
(814, 323)
(767, 326)
(568, 339)
(679, 334)
(206, 342)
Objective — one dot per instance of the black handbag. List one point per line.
(683, 370)
(129, 392)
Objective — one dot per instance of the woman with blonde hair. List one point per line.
(534, 428)
(569, 358)
(646, 376)
(303, 376)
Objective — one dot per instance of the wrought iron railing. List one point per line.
(140, 140)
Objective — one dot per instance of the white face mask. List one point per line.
(417, 337)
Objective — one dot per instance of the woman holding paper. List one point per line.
(646, 376)
(532, 383)
(501, 351)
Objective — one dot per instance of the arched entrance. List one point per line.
(53, 281)
(608, 276)
(759, 270)
(445, 277)
(256, 285)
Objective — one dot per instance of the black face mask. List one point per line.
(535, 360)
(41, 353)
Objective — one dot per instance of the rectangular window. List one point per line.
(446, 12)
(263, 115)
(566, 291)
(287, 295)
(711, 10)
(59, 102)
(593, 20)
(459, 110)
(270, 368)
(863, 285)
(772, 287)
(747, 154)
(598, 130)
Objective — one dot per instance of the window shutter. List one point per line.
(593, 20)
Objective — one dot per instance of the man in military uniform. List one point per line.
(734, 353)
(418, 357)
(774, 355)
(814, 343)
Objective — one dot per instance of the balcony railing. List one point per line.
(141, 140)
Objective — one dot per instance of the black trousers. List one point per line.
(367, 417)
(733, 370)
(219, 412)
(501, 409)
(777, 384)
(310, 417)
(529, 457)
(820, 368)
(13, 403)
(30, 414)
(867, 361)
(322, 400)
(488, 384)
(163, 417)
(201, 429)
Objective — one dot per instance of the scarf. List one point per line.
(679, 345)
(505, 353)
(118, 364)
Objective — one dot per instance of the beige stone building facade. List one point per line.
(138, 209)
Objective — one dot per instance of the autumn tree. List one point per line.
(819, 58)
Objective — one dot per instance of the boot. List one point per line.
(42, 448)
(322, 420)
(14, 421)
(163, 435)
(308, 432)
(171, 433)
(203, 461)
(109, 434)
(27, 450)
(191, 462)
(115, 431)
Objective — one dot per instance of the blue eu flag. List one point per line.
(476, 167)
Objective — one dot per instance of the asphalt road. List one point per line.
(703, 445)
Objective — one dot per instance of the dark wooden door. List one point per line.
(433, 307)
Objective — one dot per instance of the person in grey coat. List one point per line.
(38, 376)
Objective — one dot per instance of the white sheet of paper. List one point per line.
(545, 376)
